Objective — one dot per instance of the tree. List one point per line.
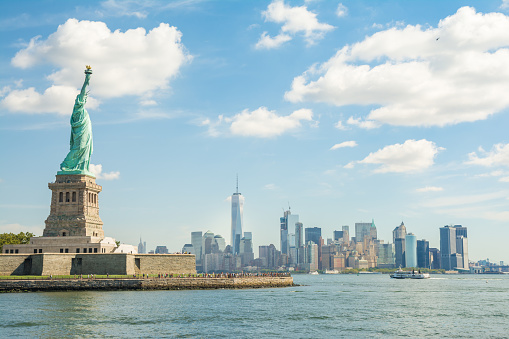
(11, 238)
(117, 242)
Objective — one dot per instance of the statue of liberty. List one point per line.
(77, 160)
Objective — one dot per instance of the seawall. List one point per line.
(143, 284)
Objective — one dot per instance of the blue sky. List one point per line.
(346, 111)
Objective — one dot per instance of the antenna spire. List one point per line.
(237, 183)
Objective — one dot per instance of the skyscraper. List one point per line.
(142, 247)
(287, 222)
(460, 230)
(453, 247)
(365, 230)
(299, 234)
(196, 240)
(299, 242)
(423, 253)
(399, 232)
(462, 248)
(410, 250)
(237, 219)
(399, 248)
(447, 247)
(434, 254)
(313, 234)
(385, 254)
(337, 235)
(346, 234)
(221, 243)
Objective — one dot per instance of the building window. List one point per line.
(16, 251)
(67, 197)
(95, 250)
(73, 196)
(6, 251)
(66, 250)
(61, 197)
(61, 250)
(84, 250)
(63, 234)
(12, 251)
(35, 250)
(40, 250)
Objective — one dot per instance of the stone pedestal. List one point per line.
(74, 207)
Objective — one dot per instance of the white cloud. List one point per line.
(339, 125)
(492, 174)
(462, 200)
(456, 72)
(55, 99)
(134, 62)
(294, 20)
(148, 103)
(267, 42)
(350, 165)
(124, 8)
(341, 11)
(430, 189)
(344, 144)
(366, 124)
(4, 91)
(270, 187)
(411, 156)
(97, 170)
(498, 156)
(475, 212)
(505, 4)
(502, 175)
(263, 123)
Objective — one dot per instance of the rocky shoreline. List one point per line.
(136, 284)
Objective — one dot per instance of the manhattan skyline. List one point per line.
(348, 111)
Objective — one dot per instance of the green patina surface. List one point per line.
(77, 160)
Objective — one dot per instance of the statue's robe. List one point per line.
(81, 145)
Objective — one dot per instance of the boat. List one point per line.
(313, 273)
(400, 274)
(331, 272)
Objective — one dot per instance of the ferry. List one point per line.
(331, 272)
(400, 274)
(313, 273)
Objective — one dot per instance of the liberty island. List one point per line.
(73, 241)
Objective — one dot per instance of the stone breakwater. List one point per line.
(192, 283)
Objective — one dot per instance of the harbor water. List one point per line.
(323, 306)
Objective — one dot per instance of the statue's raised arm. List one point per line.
(83, 93)
(77, 160)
